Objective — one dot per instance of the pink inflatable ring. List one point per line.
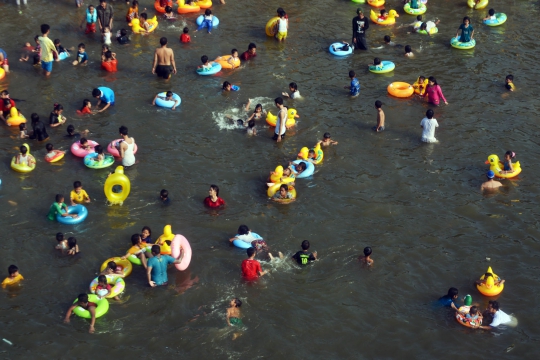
(114, 151)
(178, 242)
(77, 150)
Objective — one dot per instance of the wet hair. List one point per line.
(83, 141)
(327, 135)
(7, 102)
(105, 48)
(387, 38)
(305, 244)
(84, 297)
(186, 30)
(376, 61)
(34, 117)
(163, 41)
(123, 130)
(98, 149)
(164, 193)
(301, 166)
(281, 13)
(278, 100)
(243, 230)
(156, 249)
(453, 292)
(4, 93)
(12, 269)
(383, 11)
(510, 77)
(123, 32)
(56, 42)
(237, 302)
(233, 51)
(429, 114)
(102, 279)
(408, 48)
(59, 236)
(135, 2)
(215, 188)
(423, 26)
(419, 18)
(352, 74)
(284, 187)
(378, 104)
(144, 16)
(81, 45)
(256, 107)
(72, 242)
(71, 129)
(311, 151)
(84, 104)
(169, 93)
(135, 238)
(96, 92)
(432, 79)
(251, 123)
(421, 78)
(45, 28)
(90, 6)
(49, 146)
(204, 59)
(226, 84)
(367, 251)
(23, 149)
(111, 265)
(495, 305)
(168, 9)
(58, 197)
(250, 251)
(467, 18)
(473, 310)
(77, 184)
(22, 126)
(491, 12)
(252, 46)
(36, 38)
(293, 86)
(58, 107)
(108, 54)
(511, 154)
(147, 228)
(208, 12)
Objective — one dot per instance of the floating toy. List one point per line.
(275, 188)
(204, 4)
(78, 151)
(500, 18)
(14, 118)
(390, 20)
(462, 319)
(101, 308)
(216, 67)
(91, 162)
(112, 148)
(432, 31)
(200, 19)
(161, 9)
(359, 1)
(245, 245)
(78, 209)
(117, 285)
(135, 260)
(225, 64)
(304, 152)
(162, 240)
(23, 168)
(462, 45)
(167, 103)
(400, 89)
(63, 55)
(122, 265)
(291, 115)
(417, 85)
(384, 67)
(178, 242)
(310, 169)
(185, 9)
(338, 52)
(421, 9)
(277, 176)
(489, 288)
(482, 4)
(376, 3)
(56, 156)
(271, 26)
(117, 179)
(2, 73)
(138, 29)
(110, 66)
(496, 166)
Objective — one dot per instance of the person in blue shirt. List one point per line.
(82, 57)
(355, 84)
(157, 266)
(449, 299)
(105, 95)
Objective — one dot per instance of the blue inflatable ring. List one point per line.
(385, 67)
(310, 169)
(167, 103)
(215, 20)
(77, 209)
(216, 67)
(244, 245)
(63, 55)
(340, 52)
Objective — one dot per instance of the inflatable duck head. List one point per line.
(493, 160)
(162, 241)
(14, 119)
(303, 154)
(489, 288)
(497, 167)
(292, 113)
(390, 20)
(276, 175)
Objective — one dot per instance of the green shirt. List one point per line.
(55, 209)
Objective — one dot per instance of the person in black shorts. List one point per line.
(303, 257)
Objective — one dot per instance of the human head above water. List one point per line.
(430, 114)
(12, 269)
(367, 251)
(243, 230)
(204, 59)
(215, 188)
(352, 74)
(45, 28)
(305, 244)
(510, 154)
(123, 130)
(453, 293)
(163, 41)
(250, 251)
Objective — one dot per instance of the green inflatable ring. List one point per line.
(101, 309)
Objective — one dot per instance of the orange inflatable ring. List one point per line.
(160, 9)
(109, 66)
(400, 89)
(186, 9)
(462, 319)
(225, 64)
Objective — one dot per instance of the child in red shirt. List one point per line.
(213, 200)
(185, 38)
(251, 268)
(86, 108)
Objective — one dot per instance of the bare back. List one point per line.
(164, 56)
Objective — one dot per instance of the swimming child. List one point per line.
(82, 301)
(169, 15)
(86, 109)
(473, 314)
(388, 41)
(90, 19)
(78, 195)
(59, 207)
(133, 11)
(302, 257)
(491, 15)
(14, 276)
(164, 196)
(37, 51)
(413, 4)
(450, 299)
(72, 247)
(383, 16)
(497, 282)
(258, 113)
(60, 49)
(207, 65)
(428, 26)
(327, 140)
(244, 234)
(185, 38)
(251, 268)
(23, 158)
(366, 259)
(122, 37)
(377, 63)
(282, 26)
(103, 288)
(23, 132)
(508, 168)
(110, 63)
(112, 269)
(293, 88)
(143, 18)
(82, 57)
(408, 51)
(228, 87)
(83, 143)
(250, 53)
(168, 97)
(233, 313)
(71, 132)
(510, 82)
(62, 242)
(56, 118)
(355, 84)
(146, 235)
(380, 117)
(467, 31)
(420, 85)
(26, 52)
(345, 47)
(297, 169)
(232, 59)
(283, 195)
(213, 200)
(138, 249)
(100, 154)
(433, 92)
(207, 21)
(51, 153)
(107, 36)
(251, 130)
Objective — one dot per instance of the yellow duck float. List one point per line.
(276, 177)
(390, 20)
(497, 167)
(14, 118)
(319, 154)
(488, 288)
(291, 115)
(162, 240)
(137, 29)
(24, 168)
(481, 4)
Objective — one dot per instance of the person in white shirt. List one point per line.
(428, 125)
(499, 317)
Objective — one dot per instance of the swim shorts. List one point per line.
(282, 35)
(276, 135)
(164, 71)
(47, 66)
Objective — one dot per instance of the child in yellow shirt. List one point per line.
(78, 195)
(14, 276)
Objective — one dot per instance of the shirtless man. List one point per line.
(164, 60)
(490, 184)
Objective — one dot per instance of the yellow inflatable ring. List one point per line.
(122, 265)
(162, 240)
(204, 4)
(376, 3)
(497, 167)
(481, 5)
(185, 9)
(23, 168)
(271, 26)
(138, 29)
(225, 64)
(14, 119)
(118, 178)
(390, 20)
(274, 188)
(400, 89)
(420, 88)
(489, 288)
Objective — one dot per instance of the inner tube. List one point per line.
(421, 9)
(462, 319)
(200, 19)
(432, 31)
(310, 169)
(101, 308)
(78, 151)
(271, 26)
(400, 89)
(90, 161)
(78, 209)
(178, 242)
(340, 52)
(462, 45)
(111, 148)
(385, 67)
(167, 103)
(246, 245)
(216, 67)
(122, 265)
(500, 18)
(57, 155)
(117, 285)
